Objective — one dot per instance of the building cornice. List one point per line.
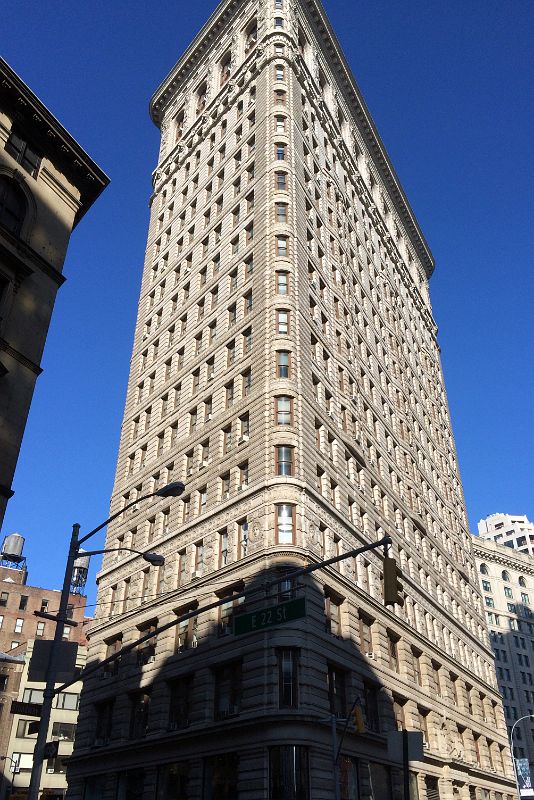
(200, 45)
(23, 107)
(353, 96)
(368, 129)
(504, 556)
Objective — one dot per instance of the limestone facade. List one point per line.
(507, 584)
(286, 368)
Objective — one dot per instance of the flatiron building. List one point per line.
(286, 368)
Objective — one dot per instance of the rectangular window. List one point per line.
(180, 702)
(139, 709)
(221, 775)
(223, 547)
(67, 701)
(282, 322)
(366, 635)
(3, 599)
(172, 784)
(332, 608)
(284, 460)
(227, 699)
(285, 524)
(242, 533)
(282, 364)
(289, 777)
(283, 410)
(18, 625)
(282, 246)
(281, 181)
(370, 707)
(187, 632)
(282, 283)
(336, 682)
(64, 731)
(288, 679)
(281, 213)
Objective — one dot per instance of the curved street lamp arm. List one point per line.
(114, 516)
(514, 760)
(113, 550)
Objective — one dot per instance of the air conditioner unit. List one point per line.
(208, 417)
(371, 655)
(313, 285)
(189, 471)
(225, 496)
(243, 439)
(197, 574)
(205, 462)
(242, 487)
(145, 336)
(330, 414)
(134, 508)
(426, 745)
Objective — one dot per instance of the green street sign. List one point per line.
(267, 617)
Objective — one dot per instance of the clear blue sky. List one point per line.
(451, 89)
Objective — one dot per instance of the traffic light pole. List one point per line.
(335, 754)
(406, 764)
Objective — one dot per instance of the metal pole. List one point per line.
(14, 772)
(406, 765)
(51, 670)
(513, 759)
(334, 757)
(516, 776)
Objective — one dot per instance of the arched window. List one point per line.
(505, 576)
(522, 582)
(202, 96)
(13, 205)
(179, 126)
(251, 36)
(483, 569)
(226, 65)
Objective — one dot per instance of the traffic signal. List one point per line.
(393, 588)
(358, 720)
(51, 749)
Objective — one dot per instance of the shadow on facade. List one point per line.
(238, 716)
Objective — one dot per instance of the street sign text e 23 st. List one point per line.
(267, 617)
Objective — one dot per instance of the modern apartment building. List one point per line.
(507, 583)
(286, 368)
(47, 184)
(511, 531)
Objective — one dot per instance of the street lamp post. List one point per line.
(173, 489)
(516, 776)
